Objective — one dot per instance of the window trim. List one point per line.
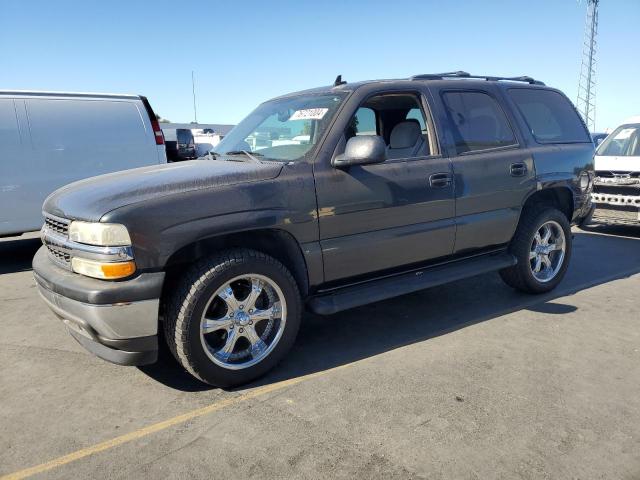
(530, 130)
(455, 152)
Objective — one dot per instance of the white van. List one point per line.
(616, 189)
(48, 140)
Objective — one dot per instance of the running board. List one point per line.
(389, 287)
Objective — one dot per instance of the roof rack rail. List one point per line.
(462, 74)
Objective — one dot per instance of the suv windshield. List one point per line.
(623, 142)
(284, 129)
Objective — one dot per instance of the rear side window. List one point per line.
(550, 116)
(477, 121)
(184, 136)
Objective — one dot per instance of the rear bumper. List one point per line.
(122, 330)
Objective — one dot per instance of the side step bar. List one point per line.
(389, 287)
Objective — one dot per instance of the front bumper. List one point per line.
(117, 321)
(616, 208)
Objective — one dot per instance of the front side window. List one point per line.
(283, 129)
(398, 118)
(550, 116)
(417, 115)
(477, 121)
(623, 142)
(363, 123)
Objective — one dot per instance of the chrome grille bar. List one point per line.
(55, 237)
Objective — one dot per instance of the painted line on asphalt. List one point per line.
(163, 425)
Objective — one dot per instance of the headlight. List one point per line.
(102, 234)
(585, 181)
(107, 271)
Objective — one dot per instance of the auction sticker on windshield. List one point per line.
(309, 114)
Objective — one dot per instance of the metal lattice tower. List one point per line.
(586, 102)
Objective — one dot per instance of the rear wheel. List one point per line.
(542, 245)
(233, 317)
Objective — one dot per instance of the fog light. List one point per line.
(107, 271)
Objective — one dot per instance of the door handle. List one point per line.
(440, 180)
(518, 169)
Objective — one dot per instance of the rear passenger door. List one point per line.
(493, 173)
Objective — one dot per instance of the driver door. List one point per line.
(379, 217)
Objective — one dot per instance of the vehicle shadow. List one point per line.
(16, 253)
(617, 230)
(327, 342)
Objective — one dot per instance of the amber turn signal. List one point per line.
(104, 270)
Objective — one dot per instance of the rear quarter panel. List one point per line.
(561, 164)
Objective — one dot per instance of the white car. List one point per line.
(48, 140)
(616, 190)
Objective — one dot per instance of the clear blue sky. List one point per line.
(247, 51)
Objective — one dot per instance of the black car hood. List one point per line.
(90, 199)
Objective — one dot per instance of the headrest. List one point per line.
(405, 134)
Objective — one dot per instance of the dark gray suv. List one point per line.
(325, 199)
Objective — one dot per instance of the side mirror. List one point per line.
(362, 150)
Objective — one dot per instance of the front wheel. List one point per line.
(233, 317)
(542, 245)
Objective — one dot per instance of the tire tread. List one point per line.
(516, 276)
(182, 301)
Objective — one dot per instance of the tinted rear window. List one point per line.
(550, 116)
(477, 121)
(184, 136)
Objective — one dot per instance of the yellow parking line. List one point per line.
(156, 427)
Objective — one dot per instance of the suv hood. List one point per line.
(91, 198)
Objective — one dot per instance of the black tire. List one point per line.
(185, 307)
(521, 276)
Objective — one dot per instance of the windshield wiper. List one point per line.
(252, 155)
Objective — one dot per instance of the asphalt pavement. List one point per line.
(470, 380)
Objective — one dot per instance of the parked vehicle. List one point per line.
(401, 185)
(52, 139)
(598, 138)
(181, 144)
(616, 191)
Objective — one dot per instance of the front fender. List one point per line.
(161, 226)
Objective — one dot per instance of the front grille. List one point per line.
(616, 174)
(54, 234)
(617, 189)
(57, 224)
(59, 255)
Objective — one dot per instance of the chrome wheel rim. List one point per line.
(547, 251)
(243, 321)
